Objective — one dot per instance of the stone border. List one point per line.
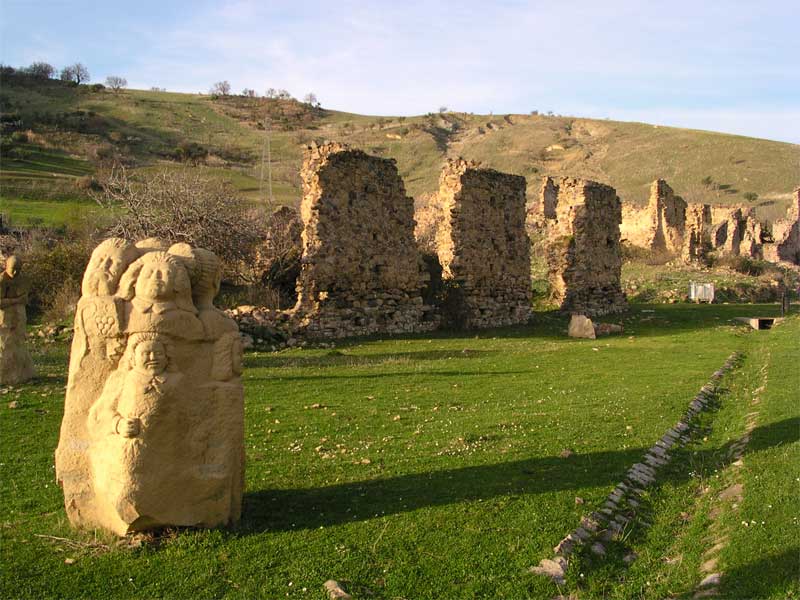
(620, 507)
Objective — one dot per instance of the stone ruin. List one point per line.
(661, 226)
(583, 245)
(786, 235)
(16, 365)
(670, 226)
(153, 426)
(482, 245)
(361, 272)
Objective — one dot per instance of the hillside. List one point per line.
(72, 131)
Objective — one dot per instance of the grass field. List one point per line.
(433, 469)
(146, 126)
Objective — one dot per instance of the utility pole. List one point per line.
(266, 153)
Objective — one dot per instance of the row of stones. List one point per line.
(620, 507)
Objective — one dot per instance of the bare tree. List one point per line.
(442, 109)
(311, 99)
(271, 93)
(116, 83)
(221, 88)
(249, 93)
(42, 70)
(77, 73)
(283, 95)
(185, 205)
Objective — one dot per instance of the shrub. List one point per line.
(191, 152)
(52, 263)
(97, 87)
(19, 137)
(87, 183)
(185, 205)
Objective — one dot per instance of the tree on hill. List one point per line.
(41, 70)
(116, 83)
(77, 73)
(311, 99)
(249, 93)
(221, 88)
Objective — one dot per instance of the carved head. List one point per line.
(148, 352)
(13, 265)
(107, 264)
(158, 277)
(205, 271)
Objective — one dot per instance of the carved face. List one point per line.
(156, 281)
(151, 356)
(104, 271)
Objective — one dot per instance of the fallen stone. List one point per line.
(554, 569)
(608, 329)
(335, 590)
(13, 404)
(711, 580)
(598, 549)
(734, 492)
(630, 558)
(580, 326)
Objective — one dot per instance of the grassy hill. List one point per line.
(73, 130)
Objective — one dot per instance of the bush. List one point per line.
(191, 152)
(97, 87)
(185, 205)
(53, 264)
(87, 183)
(19, 137)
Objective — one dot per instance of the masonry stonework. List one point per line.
(786, 235)
(660, 226)
(583, 248)
(482, 243)
(361, 272)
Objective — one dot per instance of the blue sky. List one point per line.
(721, 65)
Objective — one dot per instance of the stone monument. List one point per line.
(16, 365)
(153, 428)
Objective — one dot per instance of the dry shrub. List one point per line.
(60, 306)
(185, 205)
(279, 256)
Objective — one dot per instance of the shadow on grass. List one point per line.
(772, 576)
(310, 508)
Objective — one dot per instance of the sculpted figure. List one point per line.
(153, 429)
(136, 428)
(159, 292)
(16, 365)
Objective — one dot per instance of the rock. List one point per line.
(13, 404)
(153, 427)
(16, 365)
(566, 453)
(608, 328)
(335, 590)
(580, 326)
(599, 549)
(710, 581)
(550, 568)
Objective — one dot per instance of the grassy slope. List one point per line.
(147, 125)
(463, 488)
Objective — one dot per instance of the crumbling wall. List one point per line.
(698, 233)
(786, 235)
(482, 244)
(661, 225)
(583, 248)
(361, 272)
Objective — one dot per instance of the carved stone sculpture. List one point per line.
(16, 365)
(153, 428)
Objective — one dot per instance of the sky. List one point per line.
(720, 65)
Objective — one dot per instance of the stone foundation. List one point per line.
(361, 272)
(583, 248)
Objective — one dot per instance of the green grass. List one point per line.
(432, 470)
(23, 212)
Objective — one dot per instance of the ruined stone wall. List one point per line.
(698, 234)
(361, 272)
(786, 235)
(482, 243)
(583, 248)
(659, 227)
